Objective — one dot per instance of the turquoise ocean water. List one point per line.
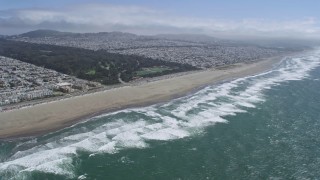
(265, 126)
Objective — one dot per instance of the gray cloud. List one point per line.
(140, 20)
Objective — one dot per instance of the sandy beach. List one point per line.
(43, 118)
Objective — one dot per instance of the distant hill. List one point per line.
(53, 33)
(44, 33)
(117, 35)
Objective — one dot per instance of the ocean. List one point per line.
(265, 126)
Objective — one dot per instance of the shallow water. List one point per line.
(257, 127)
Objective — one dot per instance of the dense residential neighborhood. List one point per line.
(20, 81)
(203, 56)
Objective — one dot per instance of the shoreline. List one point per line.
(56, 115)
(27, 104)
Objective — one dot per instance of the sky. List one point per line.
(223, 18)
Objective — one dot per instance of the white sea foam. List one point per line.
(174, 120)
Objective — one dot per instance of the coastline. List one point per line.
(51, 116)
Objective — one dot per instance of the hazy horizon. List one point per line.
(229, 19)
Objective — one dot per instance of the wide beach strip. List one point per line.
(52, 116)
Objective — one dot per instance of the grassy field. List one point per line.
(91, 72)
(152, 70)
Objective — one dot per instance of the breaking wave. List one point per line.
(136, 128)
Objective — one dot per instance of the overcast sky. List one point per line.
(223, 18)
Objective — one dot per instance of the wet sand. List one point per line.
(52, 116)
